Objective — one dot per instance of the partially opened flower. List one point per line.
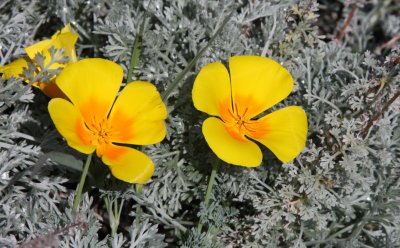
(237, 98)
(63, 39)
(93, 120)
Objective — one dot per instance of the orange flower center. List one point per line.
(238, 118)
(101, 134)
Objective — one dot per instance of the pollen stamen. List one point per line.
(101, 131)
(238, 121)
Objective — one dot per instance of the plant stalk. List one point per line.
(136, 50)
(78, 194)
(209, 189)
(138, 208)
(182, 74)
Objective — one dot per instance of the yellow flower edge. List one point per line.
(62, 39)
(14, 69)
(236, 98)
(91, 121)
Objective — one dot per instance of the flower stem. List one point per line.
(137, 47)
(78, 194)
(209, 188)
(193, 62)
(136, 50)
(138, 208)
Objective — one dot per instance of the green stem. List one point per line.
(182, 74)
(78, 194)
(209, 189)
(137, 47)
(138, 208)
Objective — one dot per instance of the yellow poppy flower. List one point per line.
(94, 121)
(236, 98)
(62, 39)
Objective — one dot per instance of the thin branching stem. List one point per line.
(346, 23)
(376, 116)
(114, 212)
(271, 34)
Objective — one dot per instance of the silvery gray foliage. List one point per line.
(202, 239)
(145, 235)
(341, 191)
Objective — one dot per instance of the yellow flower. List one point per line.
(62, 39)
(94, 121)
(235, 99)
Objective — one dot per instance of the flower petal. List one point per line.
(229, 149)
(284, 132)
(14, 69)
(138, 115)
(128, 164)
(70, 124)
(67, 42)
(91, 85)
(64, 39)
(260, 80)
(67, 28)
(211, 88)
(38, 47)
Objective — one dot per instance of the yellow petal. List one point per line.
(211, 88)
(63, 39)
(229, 149)
(38, 48)
(91, 85)
(260, 79)
(128, 164)
(70, 125)
(284, 132)
(14, 69)
(138, 115)
(66, 29)
(67, 42)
